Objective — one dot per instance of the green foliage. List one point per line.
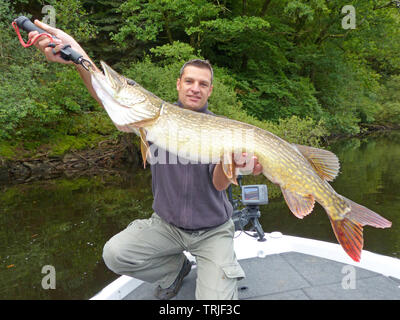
(267, 97)
(149, 20)
(388, 112)
(301, 131)
(161, 80)
(277, 63)
(237, 38)
(34, 102)
(72, 18)
(32, 92)
(175, 52)
(7, 150)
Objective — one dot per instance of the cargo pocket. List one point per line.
(233, 271)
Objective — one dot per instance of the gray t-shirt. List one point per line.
(184, 194)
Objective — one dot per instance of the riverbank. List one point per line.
(365, 130)
(109, 155)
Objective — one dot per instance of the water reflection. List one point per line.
(65, 222)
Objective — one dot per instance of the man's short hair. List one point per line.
(204, 64)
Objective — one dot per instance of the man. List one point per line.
(191, 209)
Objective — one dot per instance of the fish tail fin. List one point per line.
(350, 236)
(365, 216)
(349, 229)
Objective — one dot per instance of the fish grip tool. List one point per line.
(66, 52)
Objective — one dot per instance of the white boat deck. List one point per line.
(287, 268)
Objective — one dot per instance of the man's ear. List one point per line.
(178, 83)
(211, 89)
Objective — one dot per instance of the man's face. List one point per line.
(194, 87)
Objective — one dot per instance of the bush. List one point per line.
(388, 112)
(33, 92)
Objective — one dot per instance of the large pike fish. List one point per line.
(302, 172)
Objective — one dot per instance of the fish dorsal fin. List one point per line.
(299, 205)
(144, 146)
(229, 168)
(325, 163)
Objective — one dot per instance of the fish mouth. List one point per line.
(113, 78)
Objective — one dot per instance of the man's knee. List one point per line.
(112, 256)
(120, 259)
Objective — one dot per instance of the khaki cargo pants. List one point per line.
(152, 250)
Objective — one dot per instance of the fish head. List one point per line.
(116, 81)
(128, 104)
(117, 86)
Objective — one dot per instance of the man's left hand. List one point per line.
(247, 163)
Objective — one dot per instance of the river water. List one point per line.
(64, 223)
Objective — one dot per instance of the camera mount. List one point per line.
(252, 197)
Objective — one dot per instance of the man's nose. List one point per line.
(195, 87)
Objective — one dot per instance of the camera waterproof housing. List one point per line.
(254, 195)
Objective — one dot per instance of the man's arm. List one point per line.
(43, 43)
(221, 182)
(87, 80)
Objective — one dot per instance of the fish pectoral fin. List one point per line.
(325, 163)
(144, 123)
(229, 168)
(144, 146)
(299, 205)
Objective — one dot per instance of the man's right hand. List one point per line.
(64, 39)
